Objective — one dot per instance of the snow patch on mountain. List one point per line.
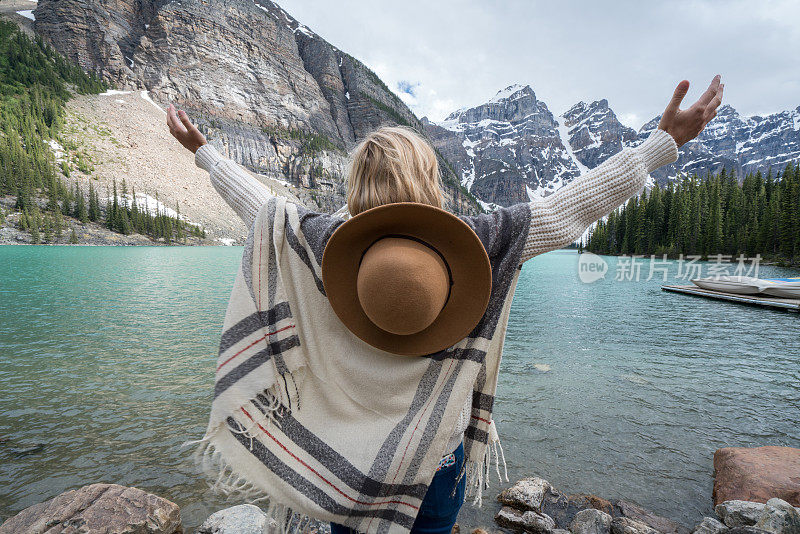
(563, 133)
(509, 93)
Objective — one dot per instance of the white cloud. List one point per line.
(632, 53)
(630, 119)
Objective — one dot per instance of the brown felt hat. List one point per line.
(407, 278)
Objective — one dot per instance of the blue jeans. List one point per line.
(438, 511)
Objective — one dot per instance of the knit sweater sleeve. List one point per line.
(243, 192)
(561, 218)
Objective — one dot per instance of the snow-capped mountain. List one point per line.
(594, 133)
(742, 144)
(512, 148)
(507, 148)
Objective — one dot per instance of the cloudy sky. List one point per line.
(440, 55)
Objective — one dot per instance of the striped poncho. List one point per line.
(326, 426)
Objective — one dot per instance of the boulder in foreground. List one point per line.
(710, 525)
(779, 517)
(96, 509)
(529, 520)
(739, 513)
(757, 474)
(591, 521)
(776, 516)
(642, 515)
(526, 493)
(242, 519)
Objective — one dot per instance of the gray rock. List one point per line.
(626, 525)
(747, 530)
(242, 519)
(99, 509)
(529, 520)
(591, 521)
(525, 494)
(562, 508)
(739, 513)
(637, 513)
(779, 517)
(709, 525)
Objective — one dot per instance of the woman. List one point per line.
(394, 165)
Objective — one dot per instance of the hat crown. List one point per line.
(402, 285)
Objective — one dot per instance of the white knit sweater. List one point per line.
(556, 221)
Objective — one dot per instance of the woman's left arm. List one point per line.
(243, 192)
(561, 218)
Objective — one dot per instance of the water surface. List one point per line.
(614, 388)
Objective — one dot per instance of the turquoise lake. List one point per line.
(613, 388)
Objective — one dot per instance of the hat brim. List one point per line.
(452, 237)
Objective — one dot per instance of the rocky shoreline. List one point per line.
(530, 505)
(533, 505)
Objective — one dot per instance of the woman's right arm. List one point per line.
(244, 193)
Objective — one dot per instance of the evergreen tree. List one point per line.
(136, 222)
(179, 234)
(94, 204)
(47, 230)
(35, 237)
(81, 212)
(124, 191)
(110, 213)
(58, 224)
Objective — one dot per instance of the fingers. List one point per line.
(709, 114)
(711, 109)
(172, 120)
(714, 104)
(677, 97)
(175, 125)
(706, 97)
(186, 122)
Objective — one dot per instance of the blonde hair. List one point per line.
(392, 164)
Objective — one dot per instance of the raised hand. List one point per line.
(686, 124)
(183, 130)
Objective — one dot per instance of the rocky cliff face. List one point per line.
(266, 89)
(512, 149)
